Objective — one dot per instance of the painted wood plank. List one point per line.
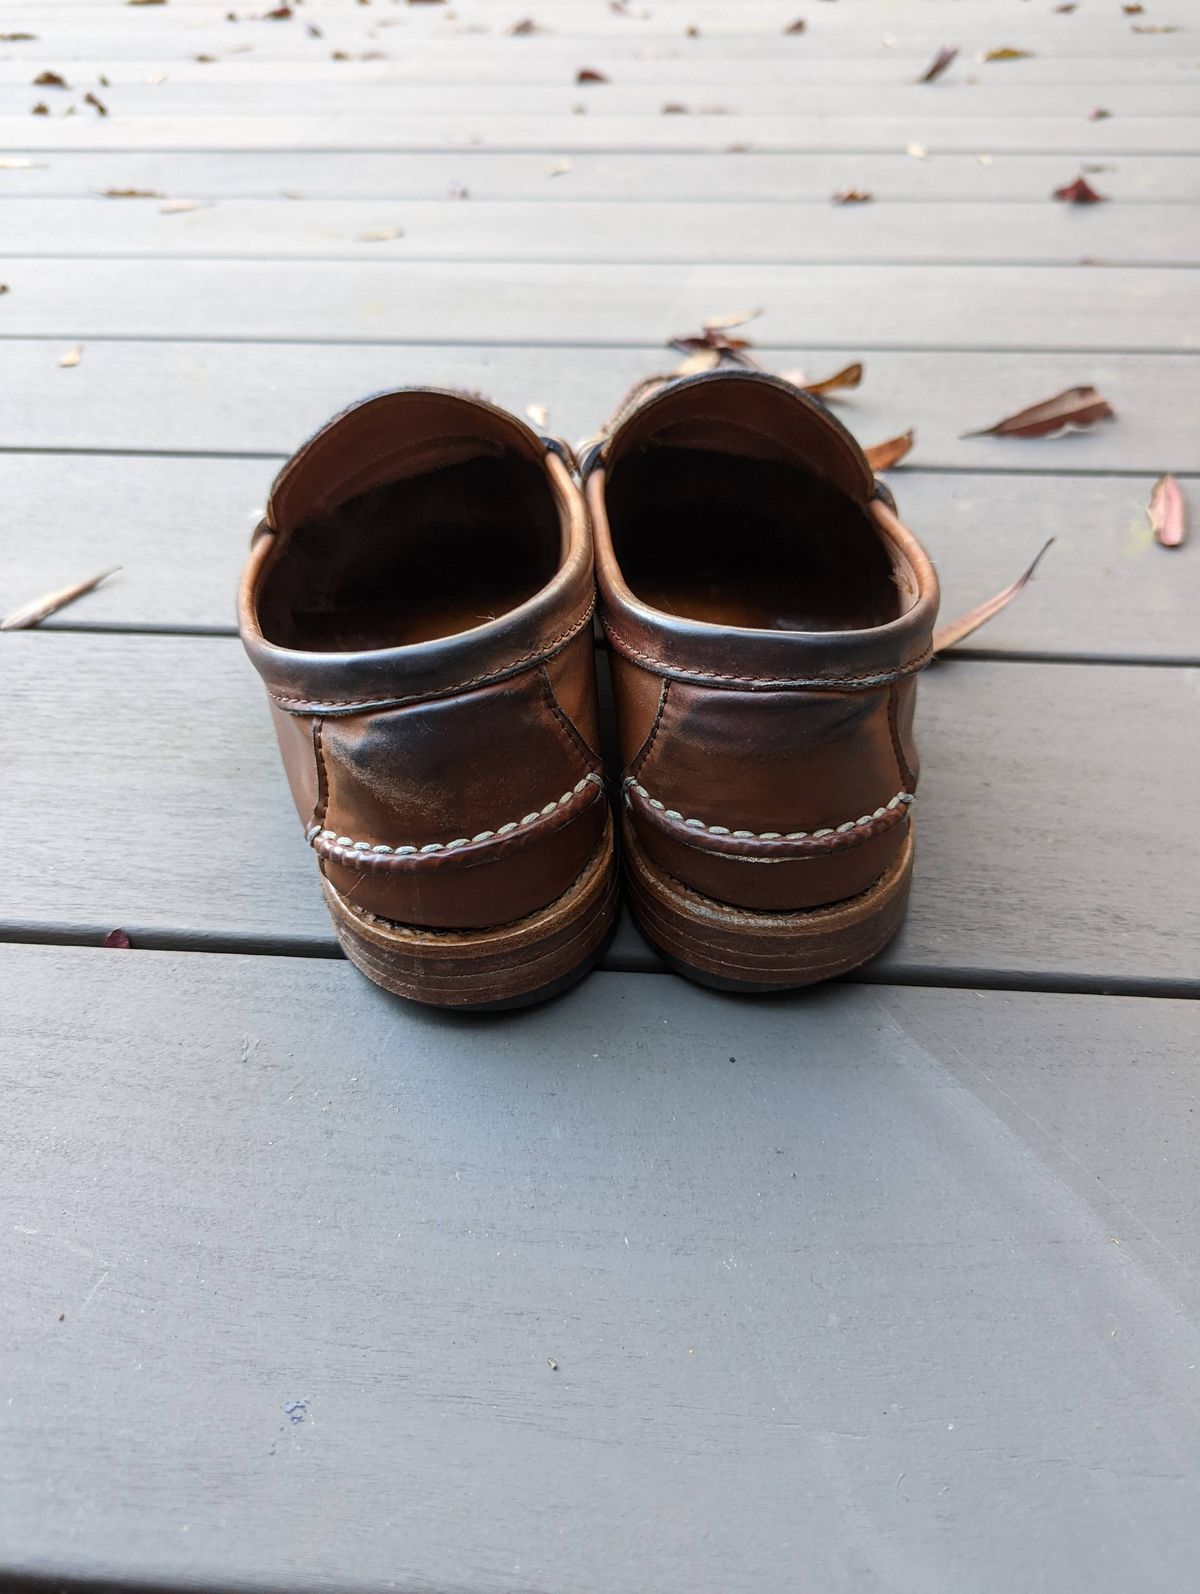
(188, 835)
(731, 98)
(1071, 134)
(594, 231)
(550, 58)
(1037, 307)
(782, 179)
(433, 1286)
(264, 398)
(179, 527)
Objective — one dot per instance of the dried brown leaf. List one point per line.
(97, 104)
(941, 61)
(380, 235)
(674, 109)
(1133, 10)
(41, 608)
(796, 27)
(1006, 52)
(588, 74)
(1165, 512)
(280, 14)
(40, 109)
(848, 376)
(50, 80)
(1080, 192)
(526, 25)
(71, 357)
(1098, 114)
(4, 288)
(955, 631)
(1072, 410)
(700, 360)
(130, 193)
(882, 456)
(852, 196)
(117, 938)
(1069, 6)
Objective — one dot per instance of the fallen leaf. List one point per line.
(99, 105)
(737, 149)
(71, 357)
(17, 38)
(796, 27)
(1005, 53)
(117, 938)
(280, 14)
(103, 81)
(50, 80)
(1148, 27)
(848, 376)
(539, 415)
(560, 169)
(1069, 6)
(130, 193)
(204, 60)
(1165, 512)
(1080, 192)
(526, 25)
(852, 196)
(4, 288)
(1098, 114)
(882, 456)
(701, 360)
(146, 2)
(380, 235)
(1072, 410)
(943, 59)
(726, 323)
(674, 109)
(40, 109)
(691, 33)
(587, 74)
(1133, 10)
(41, 608)
(174, 207)
(917, 151)
(955, 631)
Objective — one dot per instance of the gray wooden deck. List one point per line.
(893, 1286)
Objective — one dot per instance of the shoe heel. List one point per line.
(742, 949)
(512, 965)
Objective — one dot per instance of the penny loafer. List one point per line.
(767, 615)
(418, 602)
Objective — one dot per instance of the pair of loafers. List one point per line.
(419, 603)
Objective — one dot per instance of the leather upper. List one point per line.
(767, 614)
(418, 603)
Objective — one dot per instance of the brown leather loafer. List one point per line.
(766, 614)
(418, 602)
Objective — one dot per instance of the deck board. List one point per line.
(852, 1294)
(1030, 867)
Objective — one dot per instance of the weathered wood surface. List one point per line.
(637, 176)
(1070, 134)
(179, 530)
(1035, 307)
(590, 231)
(305, 1290)
(1032, 864)
(265, 398)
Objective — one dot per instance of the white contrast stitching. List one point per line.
(314, 833)
(901, 799)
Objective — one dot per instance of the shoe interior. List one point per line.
(758, 543)
(426, 556)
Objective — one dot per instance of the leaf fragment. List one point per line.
(1149, 27)
(97, 104)
(674, 108)
(1098, 114)
(1133, 10)
(588, 74)
(524, 26)
(71, 357)
(1080, 192)
(796, 27)
(853, 196)
(117, 938)
(848, 376)
(940, 63)
(955, 631)
(131, 193)
(18, 38)
(50, 80)
(40, 109)
(1075, 409)
(882, 456)
(41, 608)
(726, 323)
(1165, 512)
(539, 414)
(1006, 52)
(699, 360)
(380, 235)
